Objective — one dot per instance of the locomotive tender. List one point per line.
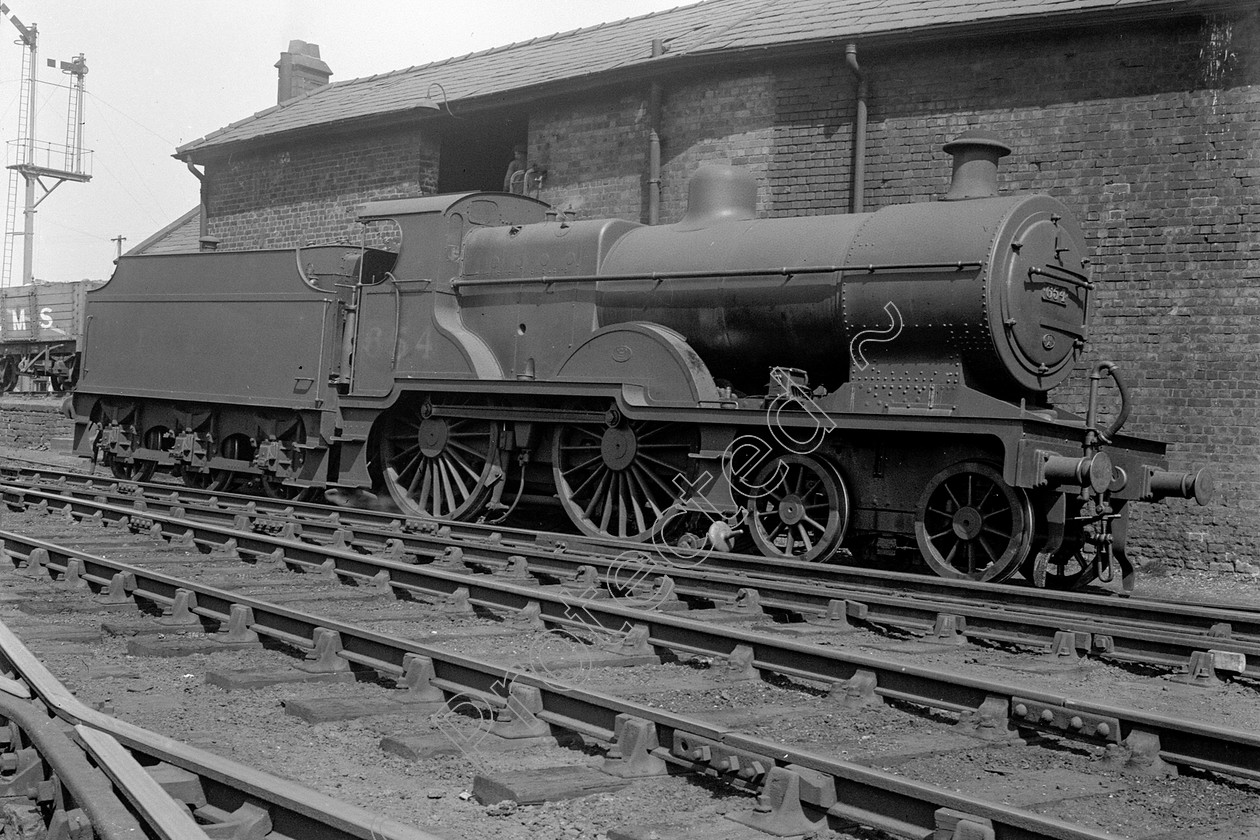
(873, 381)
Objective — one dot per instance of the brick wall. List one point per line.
(307, 192)
(595, 149)
(1150, 133)
(30, 423)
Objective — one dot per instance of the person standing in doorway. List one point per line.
(514, 180)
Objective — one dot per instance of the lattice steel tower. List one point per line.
(37, 163)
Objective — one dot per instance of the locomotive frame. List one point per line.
(654, 384)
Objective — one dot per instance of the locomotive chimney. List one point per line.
(976, 155)
(301, 71)
(719, 194)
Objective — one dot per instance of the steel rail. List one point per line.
(1113, 629)
(169, 819)
(90, 792)
(295, 811)
(1206, 619)
(1188, 743)
(852, 794)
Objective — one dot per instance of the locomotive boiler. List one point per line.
(860, 385)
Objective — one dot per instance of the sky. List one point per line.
(163, 73)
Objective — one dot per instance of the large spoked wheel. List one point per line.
(971, 524)
(442, 467)
(804, 512)
(620, 480)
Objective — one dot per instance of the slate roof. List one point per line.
(179, 237)
(703, 30)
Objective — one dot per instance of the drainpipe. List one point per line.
(203, 233)
(654, 143)
(859, 128)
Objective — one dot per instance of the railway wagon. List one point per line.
(870, 385)
(40, 327)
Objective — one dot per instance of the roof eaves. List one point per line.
(1071, 15)
(723, 45)
(257, 115)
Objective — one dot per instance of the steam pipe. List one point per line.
(1091, 411)
(859, 129)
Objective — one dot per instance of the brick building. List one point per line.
(1142, 115)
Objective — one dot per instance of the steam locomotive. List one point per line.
(872, 384)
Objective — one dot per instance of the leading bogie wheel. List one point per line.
(436, 465)
(972, 524)
(1067, 568)
(802, 511)
(1074, 564)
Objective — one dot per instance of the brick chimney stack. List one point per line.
(301, 71)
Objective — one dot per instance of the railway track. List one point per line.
(1197, 639)
(990, 709)
(85, 773)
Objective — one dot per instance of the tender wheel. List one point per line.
(619, 480)
(804, 515)
(214, 480)
(438, 466)
(971, 524)
(140, 469)
(274, 488)
(137, 470)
